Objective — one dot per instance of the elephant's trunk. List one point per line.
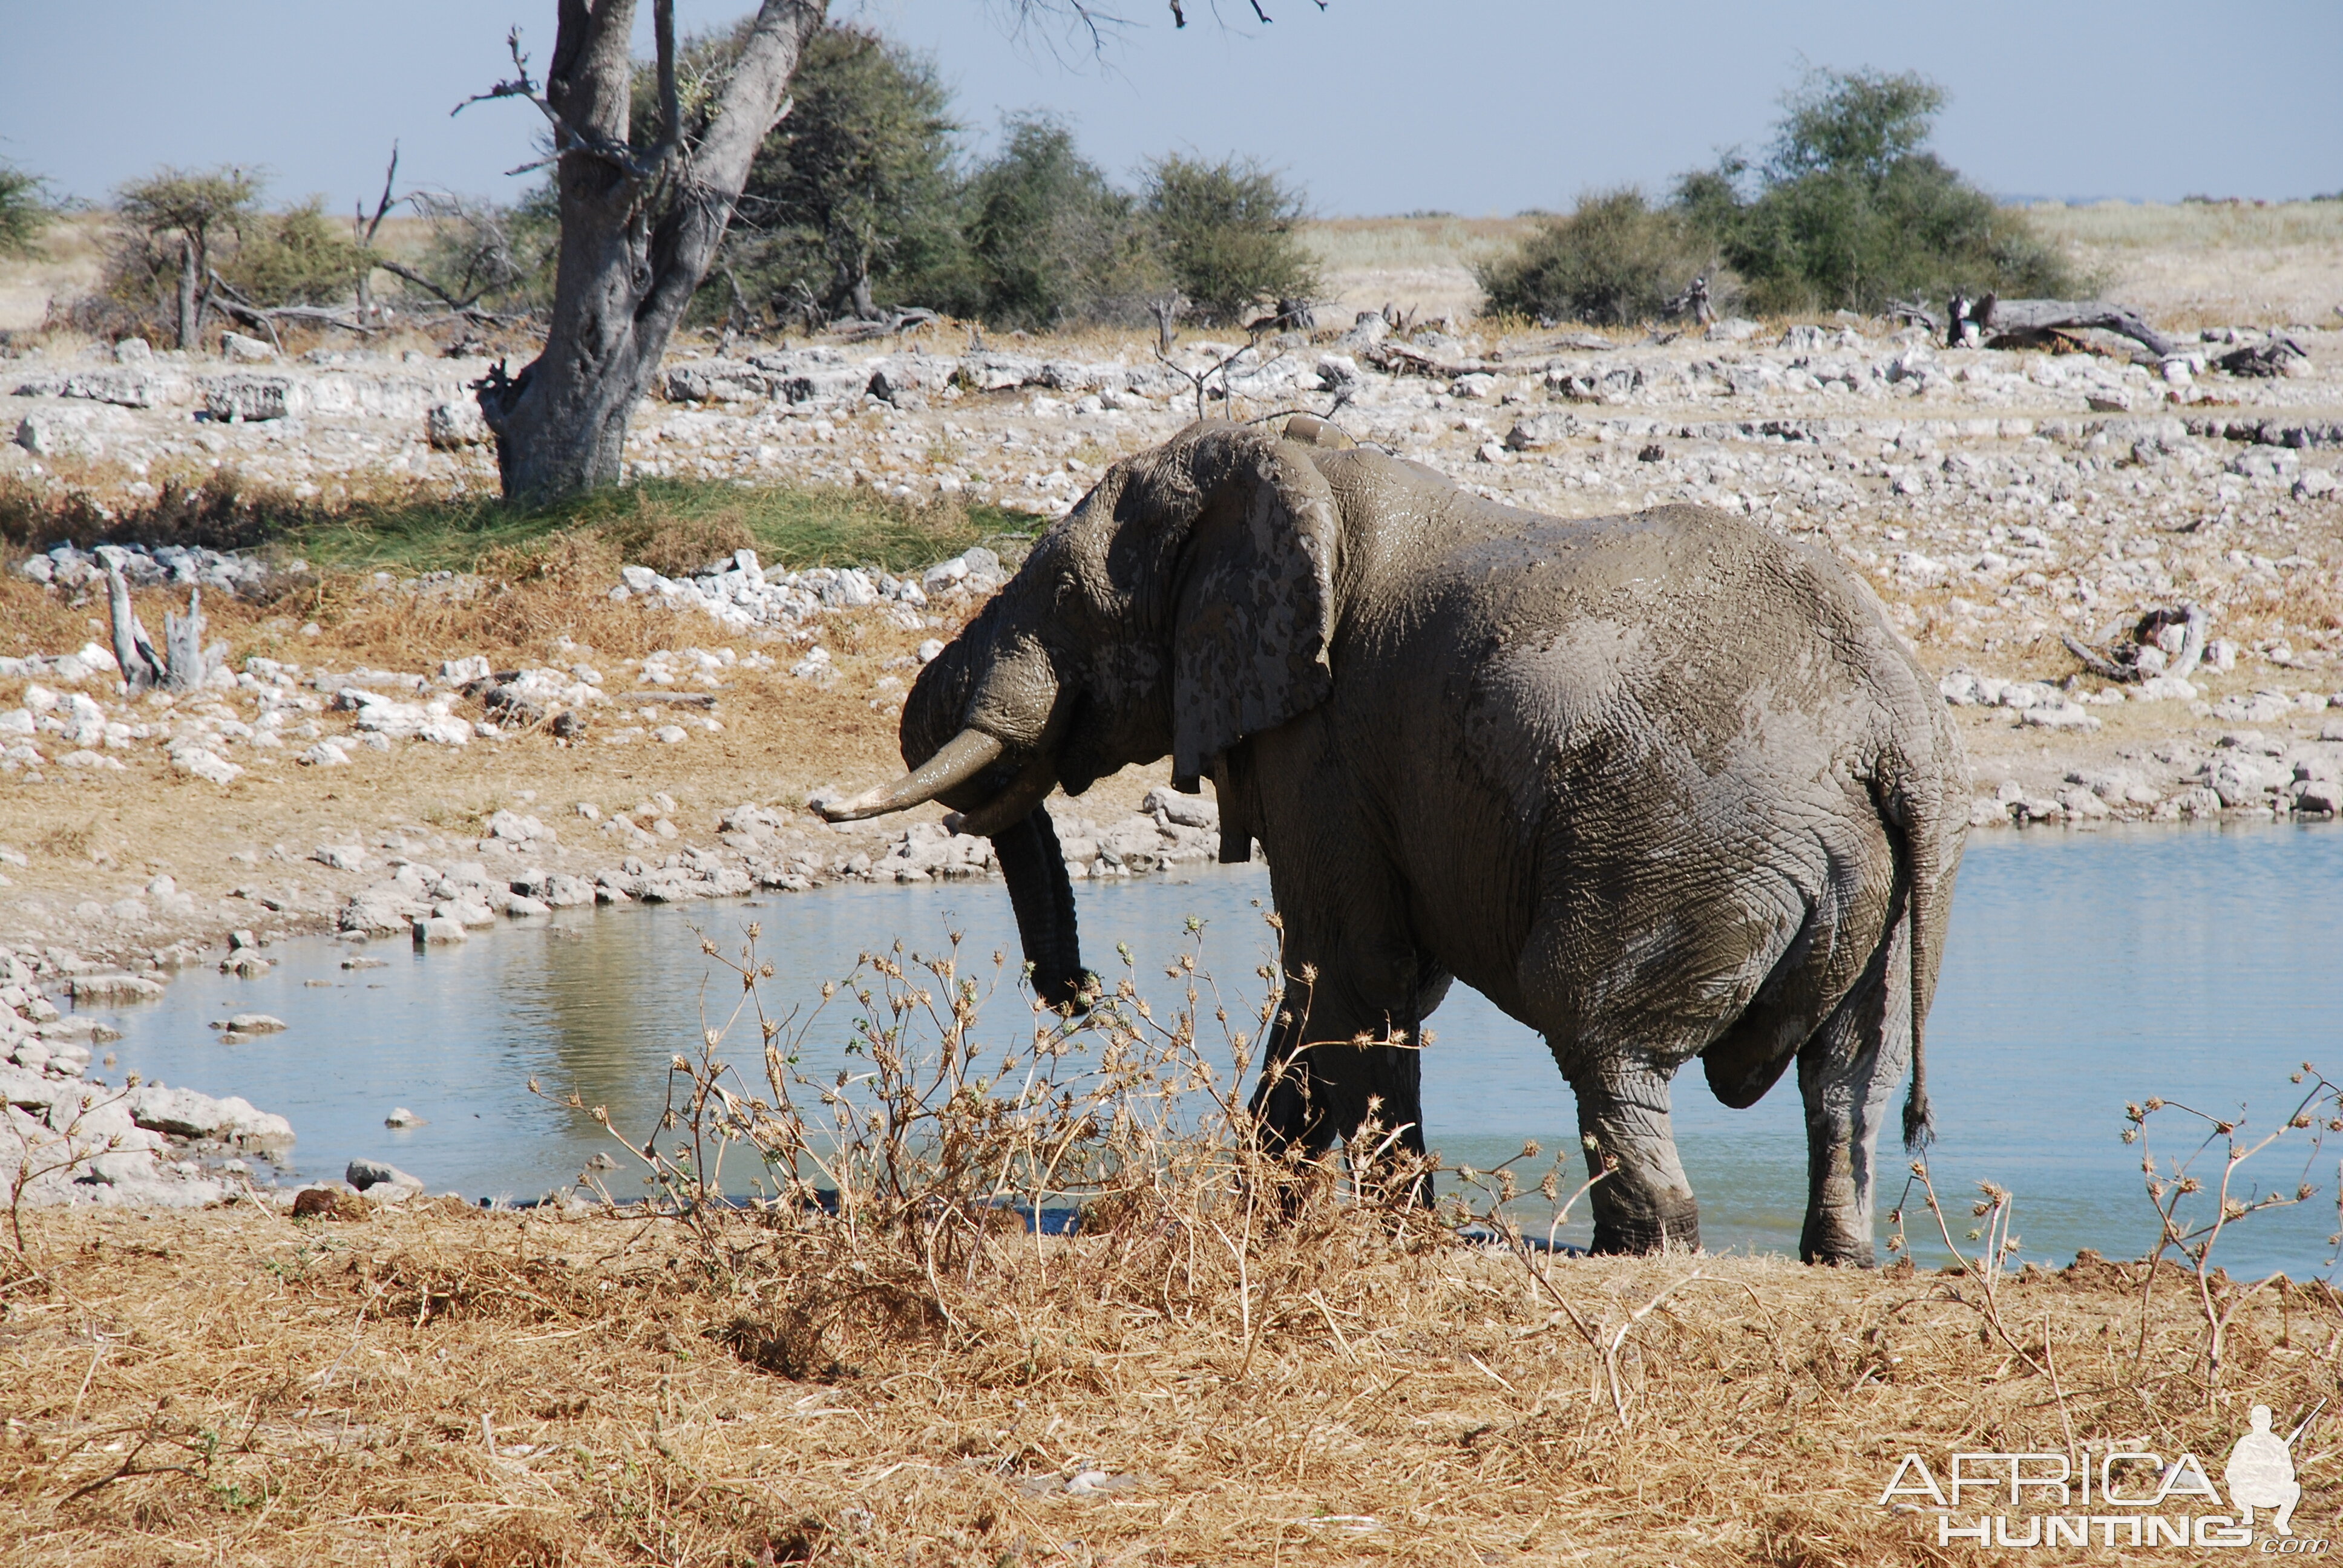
(1043, 897)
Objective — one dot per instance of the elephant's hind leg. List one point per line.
(1849, 1074)
(1629, 982)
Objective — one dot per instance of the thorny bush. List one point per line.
(886, 1197)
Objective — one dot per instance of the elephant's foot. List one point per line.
(1676, 1230)
(1836, 1239)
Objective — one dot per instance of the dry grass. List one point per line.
(1367, 244)
(2199, 263)
(240, 1387)
(2191, 226)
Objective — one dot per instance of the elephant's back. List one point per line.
(1587, 654)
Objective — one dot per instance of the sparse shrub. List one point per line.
(1850, 209)
(23, 212)
(297, 257)
(1227, 232)
(1615, 259)
(485, 256)
(163, 253)
(1053, 242)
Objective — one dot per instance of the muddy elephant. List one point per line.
(1660, 786)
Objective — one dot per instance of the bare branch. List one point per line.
(368, 228)
(567, 137)
(417, 278)
(520, 86)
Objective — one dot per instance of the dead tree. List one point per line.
(1693, 301)
(183, 664)
(1167, 310)
(639, 229)
(363, 230)
(2021, 323)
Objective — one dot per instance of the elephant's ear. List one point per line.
(1255, 610)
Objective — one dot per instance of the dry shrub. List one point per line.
(522, 598)
(675, 546)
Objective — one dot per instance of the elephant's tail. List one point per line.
(1919, 854)
(1914, 804)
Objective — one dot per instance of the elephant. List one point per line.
(1659, 785)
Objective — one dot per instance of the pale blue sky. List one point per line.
(1375, 106)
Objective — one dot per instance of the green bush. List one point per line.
(856, 201)
(853, 200)
(1614, 260)
(1850, 209)
(297, 257)
(1052, 243)
(1227, 233)
(23, 213)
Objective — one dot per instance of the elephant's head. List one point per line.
(1186, 603)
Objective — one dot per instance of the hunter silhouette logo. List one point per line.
(2118, 1495)
(2260, 1473)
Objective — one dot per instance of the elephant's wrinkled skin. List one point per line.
(1659, 785)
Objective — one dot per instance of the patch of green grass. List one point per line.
(671, 525)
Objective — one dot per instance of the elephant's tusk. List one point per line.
(961, 758)
(1012, 805)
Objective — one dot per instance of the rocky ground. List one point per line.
(663, 747)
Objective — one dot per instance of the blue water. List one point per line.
(2083, 970)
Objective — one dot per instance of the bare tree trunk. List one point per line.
(192, 268)
(638, 232)
(187, 664)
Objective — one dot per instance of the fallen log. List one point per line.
(2024, 320)
(2166, 641)
(2280, 355)
(1401, 359)
(1912, 310)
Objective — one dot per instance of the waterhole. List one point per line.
(2085, 971)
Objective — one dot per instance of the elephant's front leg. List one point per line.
(1318, 1084)
(1644, 1204)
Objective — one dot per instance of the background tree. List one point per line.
(640, 223)
(853, 197)
(1228, 233)
(173, 218)
(1850, 208)
(1613, 261)
(23, 212)
(1052, 242)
